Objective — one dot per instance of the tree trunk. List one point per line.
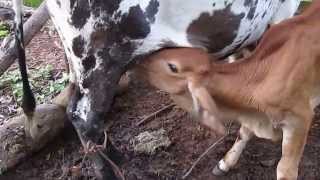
(8, 51)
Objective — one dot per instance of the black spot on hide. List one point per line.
(253, 6)
(80, 13)
(215, 31)
(135, 24)
(89, 62)
(59, 3)
(152, 10)
(78, 46)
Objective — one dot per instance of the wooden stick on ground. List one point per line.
(206, 152)
(8, 51)
(150, 116)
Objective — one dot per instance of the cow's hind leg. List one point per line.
(233, 155)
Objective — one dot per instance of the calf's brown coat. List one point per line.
(271, 93)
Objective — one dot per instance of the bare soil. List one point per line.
(64, 158)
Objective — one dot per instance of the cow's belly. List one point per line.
(218, 26)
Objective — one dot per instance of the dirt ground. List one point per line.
(64, 158)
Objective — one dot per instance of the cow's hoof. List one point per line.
(218, 172)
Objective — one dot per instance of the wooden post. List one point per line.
(8, 52)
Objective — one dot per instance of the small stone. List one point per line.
(16, 148)
(75, 171)
(6, 147)
(268, 163)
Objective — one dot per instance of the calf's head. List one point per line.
(185, 72)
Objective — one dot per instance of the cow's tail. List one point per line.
(28, 100)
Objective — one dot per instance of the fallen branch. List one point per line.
(154, 114)
(8, 51)
(17, 144)
(113, 165)
(115, 168)
(6, 13)
(206, 152)
(48, 121)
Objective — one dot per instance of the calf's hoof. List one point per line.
(218, 172)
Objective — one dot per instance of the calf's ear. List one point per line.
(205, 108)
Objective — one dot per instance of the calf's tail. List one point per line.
(28, 100)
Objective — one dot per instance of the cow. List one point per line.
(104, 38)
(271, 93)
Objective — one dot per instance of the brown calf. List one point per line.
(271, 93)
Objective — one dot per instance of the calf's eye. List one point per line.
(173, 68)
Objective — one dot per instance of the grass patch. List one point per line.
(32, 3)
(4, 30)
(42, 83)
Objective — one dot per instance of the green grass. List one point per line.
(4, 30)
(41, 81)
(32, 3)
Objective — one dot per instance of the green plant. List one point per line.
(41, 80)
(32, 3)
(4, 30)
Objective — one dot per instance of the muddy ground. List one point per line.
(64, 158)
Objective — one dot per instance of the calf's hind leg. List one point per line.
(233, 155)
(295, 131)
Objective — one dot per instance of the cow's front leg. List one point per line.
(233, 155)
(295, 131)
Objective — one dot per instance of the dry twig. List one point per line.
(90, 148)
(150, 116)
(115, 168)
(206, 152)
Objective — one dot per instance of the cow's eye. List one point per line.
(173, 68)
